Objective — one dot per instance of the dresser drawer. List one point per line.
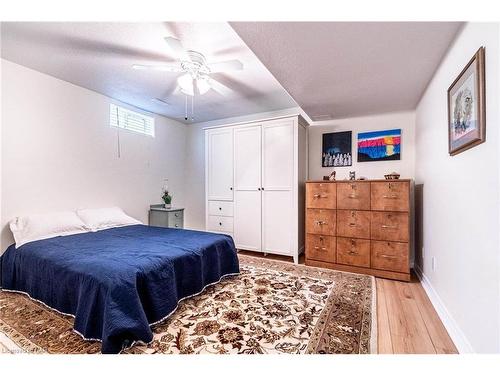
(320, 221)
(390, 196)
(220, 208)
(353, 195)
(321, 195)
(176, 219)
(220, 223)
(352, 223)
(353, 252)
(390, 226)
(390, 256)
(320, 248)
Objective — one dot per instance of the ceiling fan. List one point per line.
(196, 71)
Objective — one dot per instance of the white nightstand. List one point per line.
(159, 216)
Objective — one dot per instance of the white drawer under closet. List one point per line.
(220, 208)
(220, 223)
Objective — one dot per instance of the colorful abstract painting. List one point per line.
(379, 145)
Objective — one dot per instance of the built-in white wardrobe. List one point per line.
(255, 183)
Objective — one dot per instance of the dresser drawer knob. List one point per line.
(320, 222)
(176, 215)
(318, 195)
(177, 225)
(352, 224)
(388, 256)
(318, 248)
(389, 226)
(352, 196)
(351, 252)
(392, 196)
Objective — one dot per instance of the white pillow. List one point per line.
(104, 218)
(41, 226)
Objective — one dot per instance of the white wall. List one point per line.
(372, 170)
(461, 202)
(58, 151)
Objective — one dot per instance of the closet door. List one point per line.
(220, 164)
(278, 217)
(247, 188)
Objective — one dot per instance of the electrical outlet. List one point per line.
(433, 263)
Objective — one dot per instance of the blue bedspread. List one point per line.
(117, 282)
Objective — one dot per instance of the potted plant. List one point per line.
(167, 199)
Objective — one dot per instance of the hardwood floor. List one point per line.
(406, 320)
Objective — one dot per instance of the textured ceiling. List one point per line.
(99, 56)
(340, 70)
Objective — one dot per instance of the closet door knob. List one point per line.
(231, 188)
(262, 188)
(258, 189)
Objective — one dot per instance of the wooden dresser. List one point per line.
(360, 226)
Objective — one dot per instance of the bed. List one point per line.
(119, 282)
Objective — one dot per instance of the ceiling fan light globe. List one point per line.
(185, 82)
(203, 86)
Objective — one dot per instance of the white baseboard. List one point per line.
(456, 334)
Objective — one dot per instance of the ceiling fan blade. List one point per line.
(177, 49)
(219, 87)
(160, 101)
(174, 67)
(225, 66)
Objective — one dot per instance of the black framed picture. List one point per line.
(337, 149)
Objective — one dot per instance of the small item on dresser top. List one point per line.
(352, 175)
(326, 178)
(332, 176)
(166, 197)
(392, 176)
(362, 178)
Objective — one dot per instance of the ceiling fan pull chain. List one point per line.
(186, 109)
(192, 108)
(119, 146)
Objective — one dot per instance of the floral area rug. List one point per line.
(271, 307)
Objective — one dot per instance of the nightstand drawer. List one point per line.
(176, 219)
(220, 208)
(165, 217)
(220, 223)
